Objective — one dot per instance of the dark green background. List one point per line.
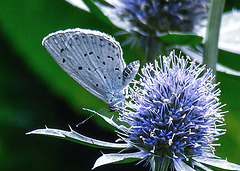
(35, 92)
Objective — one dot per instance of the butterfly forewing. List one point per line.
(91, 58)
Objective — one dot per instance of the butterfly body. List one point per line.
(94, 60)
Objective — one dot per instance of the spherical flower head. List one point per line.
(151, 16)
(173, 110)
(146, 20)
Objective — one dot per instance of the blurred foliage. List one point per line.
(36, 92)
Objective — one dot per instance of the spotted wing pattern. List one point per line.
(91, 58)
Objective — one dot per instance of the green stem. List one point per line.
(213, 27)
(160, 164)
(153, 50)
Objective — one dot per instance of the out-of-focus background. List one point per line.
(35, 92)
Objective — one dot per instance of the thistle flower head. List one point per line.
(145, 20)
(173, 111)
(151, 16)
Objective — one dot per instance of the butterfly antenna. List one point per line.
(94, 112)
(85, 120)
(102, 109)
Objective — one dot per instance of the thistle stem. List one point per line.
(210, 54)
(160, 164)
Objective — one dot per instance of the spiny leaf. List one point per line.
(200, 165)
(119, 158)
(223, 164)
(78, 138)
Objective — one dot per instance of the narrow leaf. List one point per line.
(78, 138)
(201, 166)
(119, 158)
(79, 3)
(223, 164)
(175, 38)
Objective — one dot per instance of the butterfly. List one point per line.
(94, 60)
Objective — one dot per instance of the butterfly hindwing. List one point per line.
(130, 72)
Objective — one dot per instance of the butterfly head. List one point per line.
(115, 101)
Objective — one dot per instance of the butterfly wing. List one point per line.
(91, 58)
(130, 72)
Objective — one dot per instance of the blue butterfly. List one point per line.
(94, 60)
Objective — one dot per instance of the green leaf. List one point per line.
(78, 138)
(176, 38)
(223, 164)
(119, 158)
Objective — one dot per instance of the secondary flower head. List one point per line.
(173, 111)
(145, 20)
(151, 16)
